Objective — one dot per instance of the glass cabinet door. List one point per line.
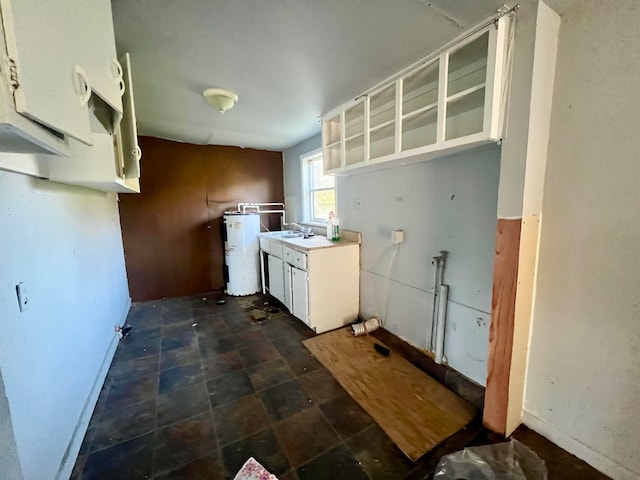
(467, 74)
(332, 142)
(420, 107)
(382, 122)
(354, 134)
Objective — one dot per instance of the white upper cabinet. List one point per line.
(112, 163)
(446, 103)
(57, 55)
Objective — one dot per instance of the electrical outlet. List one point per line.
(23, 297)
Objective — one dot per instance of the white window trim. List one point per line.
(305, 188)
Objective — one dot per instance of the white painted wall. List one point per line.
(65, 243)
(293, 176)
(445, 204)
(583, 380)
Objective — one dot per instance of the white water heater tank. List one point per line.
(241, 253)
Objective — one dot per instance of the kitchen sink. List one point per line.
(292, 235)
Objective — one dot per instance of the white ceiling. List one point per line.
(289, 61)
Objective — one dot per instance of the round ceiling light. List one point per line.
(220, 99)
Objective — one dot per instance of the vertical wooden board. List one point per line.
(505, 278)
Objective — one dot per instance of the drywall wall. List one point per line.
(172, 230)
(9, 461)
(444, 204)
(293, 176)
(583, 378)
(65, 244)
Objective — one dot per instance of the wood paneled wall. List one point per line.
(172, 231)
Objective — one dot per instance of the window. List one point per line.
(319, 190)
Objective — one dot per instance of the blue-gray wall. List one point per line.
(65, 244)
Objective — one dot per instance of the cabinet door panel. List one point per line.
(97, 51)
(50, 88)
(130, 148)
(300, 294)
(288, 300)
(276, 277)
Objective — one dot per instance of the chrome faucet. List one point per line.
(305, 230)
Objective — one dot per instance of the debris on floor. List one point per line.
(501, 461)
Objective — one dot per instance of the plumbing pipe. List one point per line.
(442, 321)
(439, 261)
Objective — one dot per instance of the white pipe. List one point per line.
(442, 321)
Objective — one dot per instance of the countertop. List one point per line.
(311, 243)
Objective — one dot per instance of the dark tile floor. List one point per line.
(197, 388)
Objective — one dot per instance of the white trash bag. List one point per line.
(501, 461)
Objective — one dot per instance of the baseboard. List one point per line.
(575, 447)
(69, 458)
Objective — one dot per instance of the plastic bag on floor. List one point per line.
(502, 461)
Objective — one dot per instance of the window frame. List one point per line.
(307, 190)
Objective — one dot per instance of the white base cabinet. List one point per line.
(320, 286)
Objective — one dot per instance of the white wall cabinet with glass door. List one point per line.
(55, 57)
(448, 102)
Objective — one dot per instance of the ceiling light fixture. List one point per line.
(220, 99)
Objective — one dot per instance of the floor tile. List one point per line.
(137, 349)
(378, 455)
(215, 346)
(206, 468)
(302, 362)
(179, 357)
(210, 328)
(269, 374)
(178, 328)
(185, 339)
(130, 369)
(180, 404)
(258, 354)
(239, 419)
(289, 345)
(285, 399)
(123, 424)
(130, 460)
(320, 386)
(88, 437)
(229, 388)
(291, 475)
(180, 377)
(249, 339)
(142, 318)
(184, 442)
(176, 316)
(306, 435)
(262, 446)
(345, 415)
(337, 463)
(132, 391)
(219, 365)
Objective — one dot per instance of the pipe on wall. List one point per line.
(443, 298)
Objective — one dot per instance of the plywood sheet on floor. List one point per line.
(415, 410)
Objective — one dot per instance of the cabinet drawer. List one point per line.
(300, 260)
(276, 249)
(288, 255)
(265, 245)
